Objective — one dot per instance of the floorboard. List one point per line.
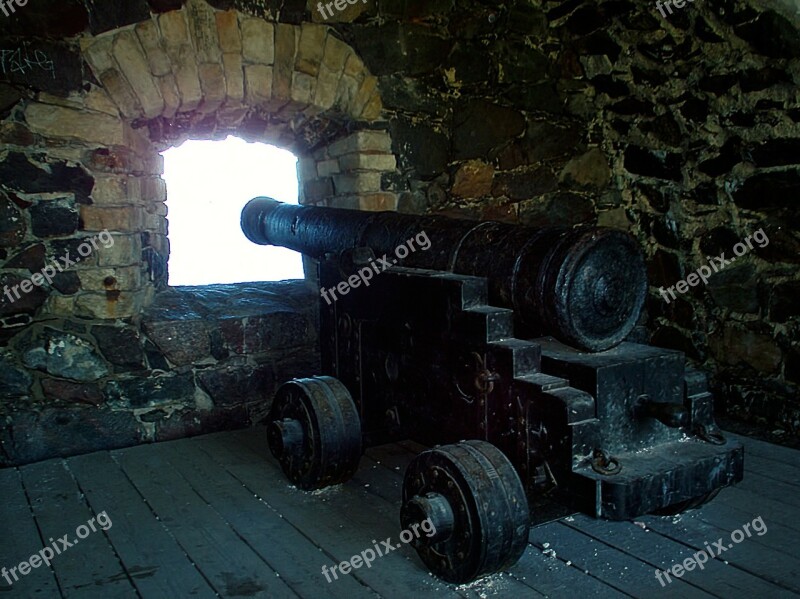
(213, 516)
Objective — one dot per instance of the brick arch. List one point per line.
(202, 73)
(199, 61)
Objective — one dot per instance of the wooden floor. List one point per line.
(213, 516)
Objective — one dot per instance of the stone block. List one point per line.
(58, 390)
(183, 342)
(203, 31)
(306, 169)
(98, 54)
(362, 141)
(357, 183)
(58, 121)
(234, 78)
(230, 37)
(121, 346)
(109, 305)
(149, 392)
(131, 59)
(318, 189)
(258, 41)
(366, 90)
(326, 168)
(148, 34)
(212, 82)
(126, 250)
(368, 162)
(372, 111)
(257, 84)
(285, 49)
(121, 92)
(326, 87)
(96, 218)
(124, 278)
(174, 31)
(63, 355)
(377, 202)
(187, 78)
(310, 49)
(346, 94)
(473, 179)
(303, 87)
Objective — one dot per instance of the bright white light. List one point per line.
(208, 184)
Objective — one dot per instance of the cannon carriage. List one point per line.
(503, 348)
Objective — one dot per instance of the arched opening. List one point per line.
(208, 184)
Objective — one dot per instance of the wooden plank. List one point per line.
(345, 524)
(21, 540)
(389, 510)
(780, 471)
(231, 567)
(89, 568)
(619, 570)
(156, 563)
(662, 553)
(769, 451)
(770, 488)
(694, 532)
(265, 531)
(746, 505)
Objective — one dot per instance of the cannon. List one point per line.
(503, 349)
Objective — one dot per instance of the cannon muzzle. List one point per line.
(585, 286)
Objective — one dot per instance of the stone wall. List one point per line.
(683, 129)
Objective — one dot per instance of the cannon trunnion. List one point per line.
(524, 425)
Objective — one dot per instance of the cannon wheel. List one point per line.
(314, 431)
(689, 504)
(477, 505)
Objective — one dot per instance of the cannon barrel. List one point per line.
(585, 286)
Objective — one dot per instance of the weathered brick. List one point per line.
(377, 202)
(153, 189)
(346, 94)
(365, 93)
(174, 31)
(372, 111)
(357, 183)
(130, 56)
(258, 41)
(147, 32)
(127, 278)
(303, 87)
(109, 305)
(96, 218)
(362, 141)
(98, 100)
(212, 82)
(169, 91)
(310, 49)
(234, 78)
(121, 92)
(326, 87)
(58, 121)
(306, 169)
(368, 162)
(127, 250)
(230, 38)
(187, 79)
(203, 31)
(327, 168)
(98, 54)
(318, 189)
(110, 191)
(257, 83)
(284, 60)
(355, 68)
